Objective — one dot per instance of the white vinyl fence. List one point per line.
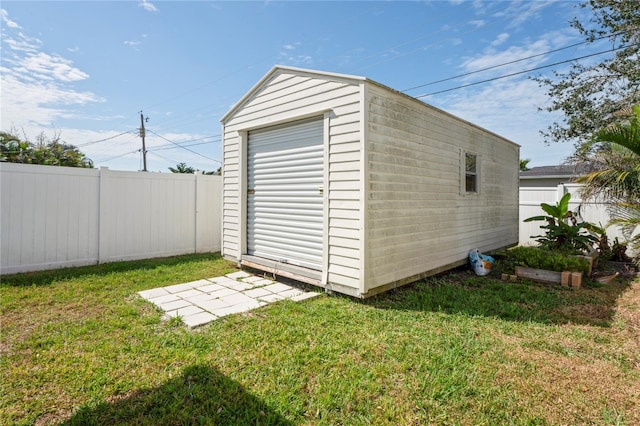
(530, 199)
(52, 217)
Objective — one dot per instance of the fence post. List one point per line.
(196, 212)
(103, 225)
(562, 189)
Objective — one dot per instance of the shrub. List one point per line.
(573, 237)
(541, 258)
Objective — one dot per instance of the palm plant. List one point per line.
(182, 168)
(524, 164)
(617, 178)
(563, 232)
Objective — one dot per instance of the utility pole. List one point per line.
(142, 135)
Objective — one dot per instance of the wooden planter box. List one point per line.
(566, 278)
(593, 261)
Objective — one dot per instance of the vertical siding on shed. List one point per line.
(285, 97)
(417, 218)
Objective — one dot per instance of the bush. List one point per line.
(536, 257)
(563, 231)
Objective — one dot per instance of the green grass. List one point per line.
(80, 347)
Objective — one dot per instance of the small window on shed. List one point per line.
(470, 173)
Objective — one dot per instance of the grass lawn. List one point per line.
(78, 346)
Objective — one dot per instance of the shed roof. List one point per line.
(352, 79)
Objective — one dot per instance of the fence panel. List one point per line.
(48, 217)
(54, 217)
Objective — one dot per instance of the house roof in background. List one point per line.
(561, 171)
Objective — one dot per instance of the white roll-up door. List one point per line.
(284, 193)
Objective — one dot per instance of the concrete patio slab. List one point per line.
(237, 299)
(198, 319)
(240, 286)
(263, 281)
(290, 293)
(155, 292)
(277, 287)
(224, 292)
(238, 275)
(197, 303)
(270, 298)
(209, 288)
(258, 292)
(213, 305)
(172, 306)
(184, 312)
(188, 293)
(167, 298)
(203, 297)
(251, 279)
(222, 280)
(179, 287)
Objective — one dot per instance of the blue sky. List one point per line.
(86, 68)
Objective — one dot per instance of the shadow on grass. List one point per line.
(43, 278)
(201, 395)
(462, 292)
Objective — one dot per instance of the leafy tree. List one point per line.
(13, 150)
(590, 94)
(617, 162)
(51, 152)
(182, 168)
(524, 164)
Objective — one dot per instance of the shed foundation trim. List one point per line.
(293, 272)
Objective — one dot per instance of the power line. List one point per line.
(510, 62)
(105, 139)
(121, 155)
(161, 156)
(165, 147)
(183, 147)
(188, 143)
(520, 72)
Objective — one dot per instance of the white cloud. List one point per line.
(519, 12)
(132, 43)
(51, 68)
(148, 6)
(20, 42)
(8, 22)
(296, 60)
(534, 51)
(37, 102)
(287, 57)
(500, 39)
(492, 57)
(478, 23)
(37, 87)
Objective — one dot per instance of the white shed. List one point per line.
(344, 183)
